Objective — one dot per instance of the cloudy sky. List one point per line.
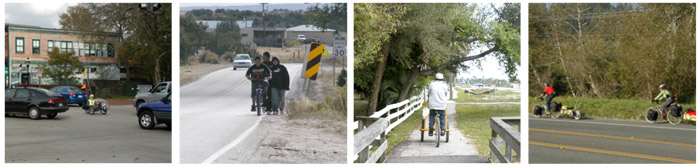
(43, 14)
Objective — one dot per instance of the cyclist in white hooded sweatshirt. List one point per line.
(437, 102)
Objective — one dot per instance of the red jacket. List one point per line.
(549, 90)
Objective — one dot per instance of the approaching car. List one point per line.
(156, 93)
(73, 94)
(154, 113)
(309, 40)
(241, 60)
(34, 102)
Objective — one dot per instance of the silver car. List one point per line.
(155, 94)
(242, 61)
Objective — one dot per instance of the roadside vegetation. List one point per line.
(473, 121)
(605, 108)
(498, 96)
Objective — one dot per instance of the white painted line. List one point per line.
(238, 140)
(602, 123)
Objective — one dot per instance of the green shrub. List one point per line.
(209, 57)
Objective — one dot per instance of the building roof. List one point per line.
(307, 28)
(37, 29)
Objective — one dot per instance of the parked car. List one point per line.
(309, 40)
(154, 113)
(156, 93)
(242, 60)
(34, 102)
(301, 38)
(72, 94)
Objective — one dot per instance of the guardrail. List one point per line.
(503, 127)
(391, 116)
(372, 136)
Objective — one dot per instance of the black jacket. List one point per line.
(280, 77)
(258, 73)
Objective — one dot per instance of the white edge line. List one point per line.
(229, 146)
(602, 123)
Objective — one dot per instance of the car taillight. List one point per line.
(72, 95)
(57, 100)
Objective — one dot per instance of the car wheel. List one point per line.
(234, 68)
(33, 113)
(168, 124)
(80, 104)
(52, 115)
(146, 120)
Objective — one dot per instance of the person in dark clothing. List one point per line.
(258, 74)
(268, 95)
(278, 85)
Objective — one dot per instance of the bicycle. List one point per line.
(437, 128)
(259, 98)
(653, 114)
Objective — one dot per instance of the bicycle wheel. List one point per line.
(258, 100)
(555, 114)
(652, 115)
(674, 120)
(438, 130)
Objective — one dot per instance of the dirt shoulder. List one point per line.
(190, 73)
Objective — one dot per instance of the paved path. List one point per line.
(609, 141)
(457, 150)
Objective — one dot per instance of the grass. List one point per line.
(474, 120)
(497, 96)
(605, 108)
(121, 97)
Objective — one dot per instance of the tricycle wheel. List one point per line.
(103, 111)
(577, 115)
(422, 133)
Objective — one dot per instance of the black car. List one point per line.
(34, 102)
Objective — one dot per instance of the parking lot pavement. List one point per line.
(75, 136)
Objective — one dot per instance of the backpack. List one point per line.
(555, 106)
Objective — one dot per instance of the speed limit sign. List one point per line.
(339, 46)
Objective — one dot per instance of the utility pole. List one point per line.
(263, 22)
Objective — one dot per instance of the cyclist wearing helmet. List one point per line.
(664, 94)
(550, 93)
(258, 74)
(437, 102)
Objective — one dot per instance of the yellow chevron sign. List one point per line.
(314, 60)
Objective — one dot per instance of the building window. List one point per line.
(36, 46)
(244, 35)
(66, 46)
(19, 45)
(110, 50)
(49, 45)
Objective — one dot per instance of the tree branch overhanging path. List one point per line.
(417, 41)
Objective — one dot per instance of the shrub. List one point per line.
(292, 42)
(209, 57)
(228, 56)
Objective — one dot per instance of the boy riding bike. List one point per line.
(258, 74)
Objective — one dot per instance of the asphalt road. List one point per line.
(75, 137)
(609, 141)
(215, 116)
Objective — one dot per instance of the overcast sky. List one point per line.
(43, 14)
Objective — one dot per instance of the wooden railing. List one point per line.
(372, 136)
(503, 127)
(385, 119)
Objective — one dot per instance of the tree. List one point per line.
(619, 51)
(328, 16)
(61, 66)
(146, 34)
(403, 45)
